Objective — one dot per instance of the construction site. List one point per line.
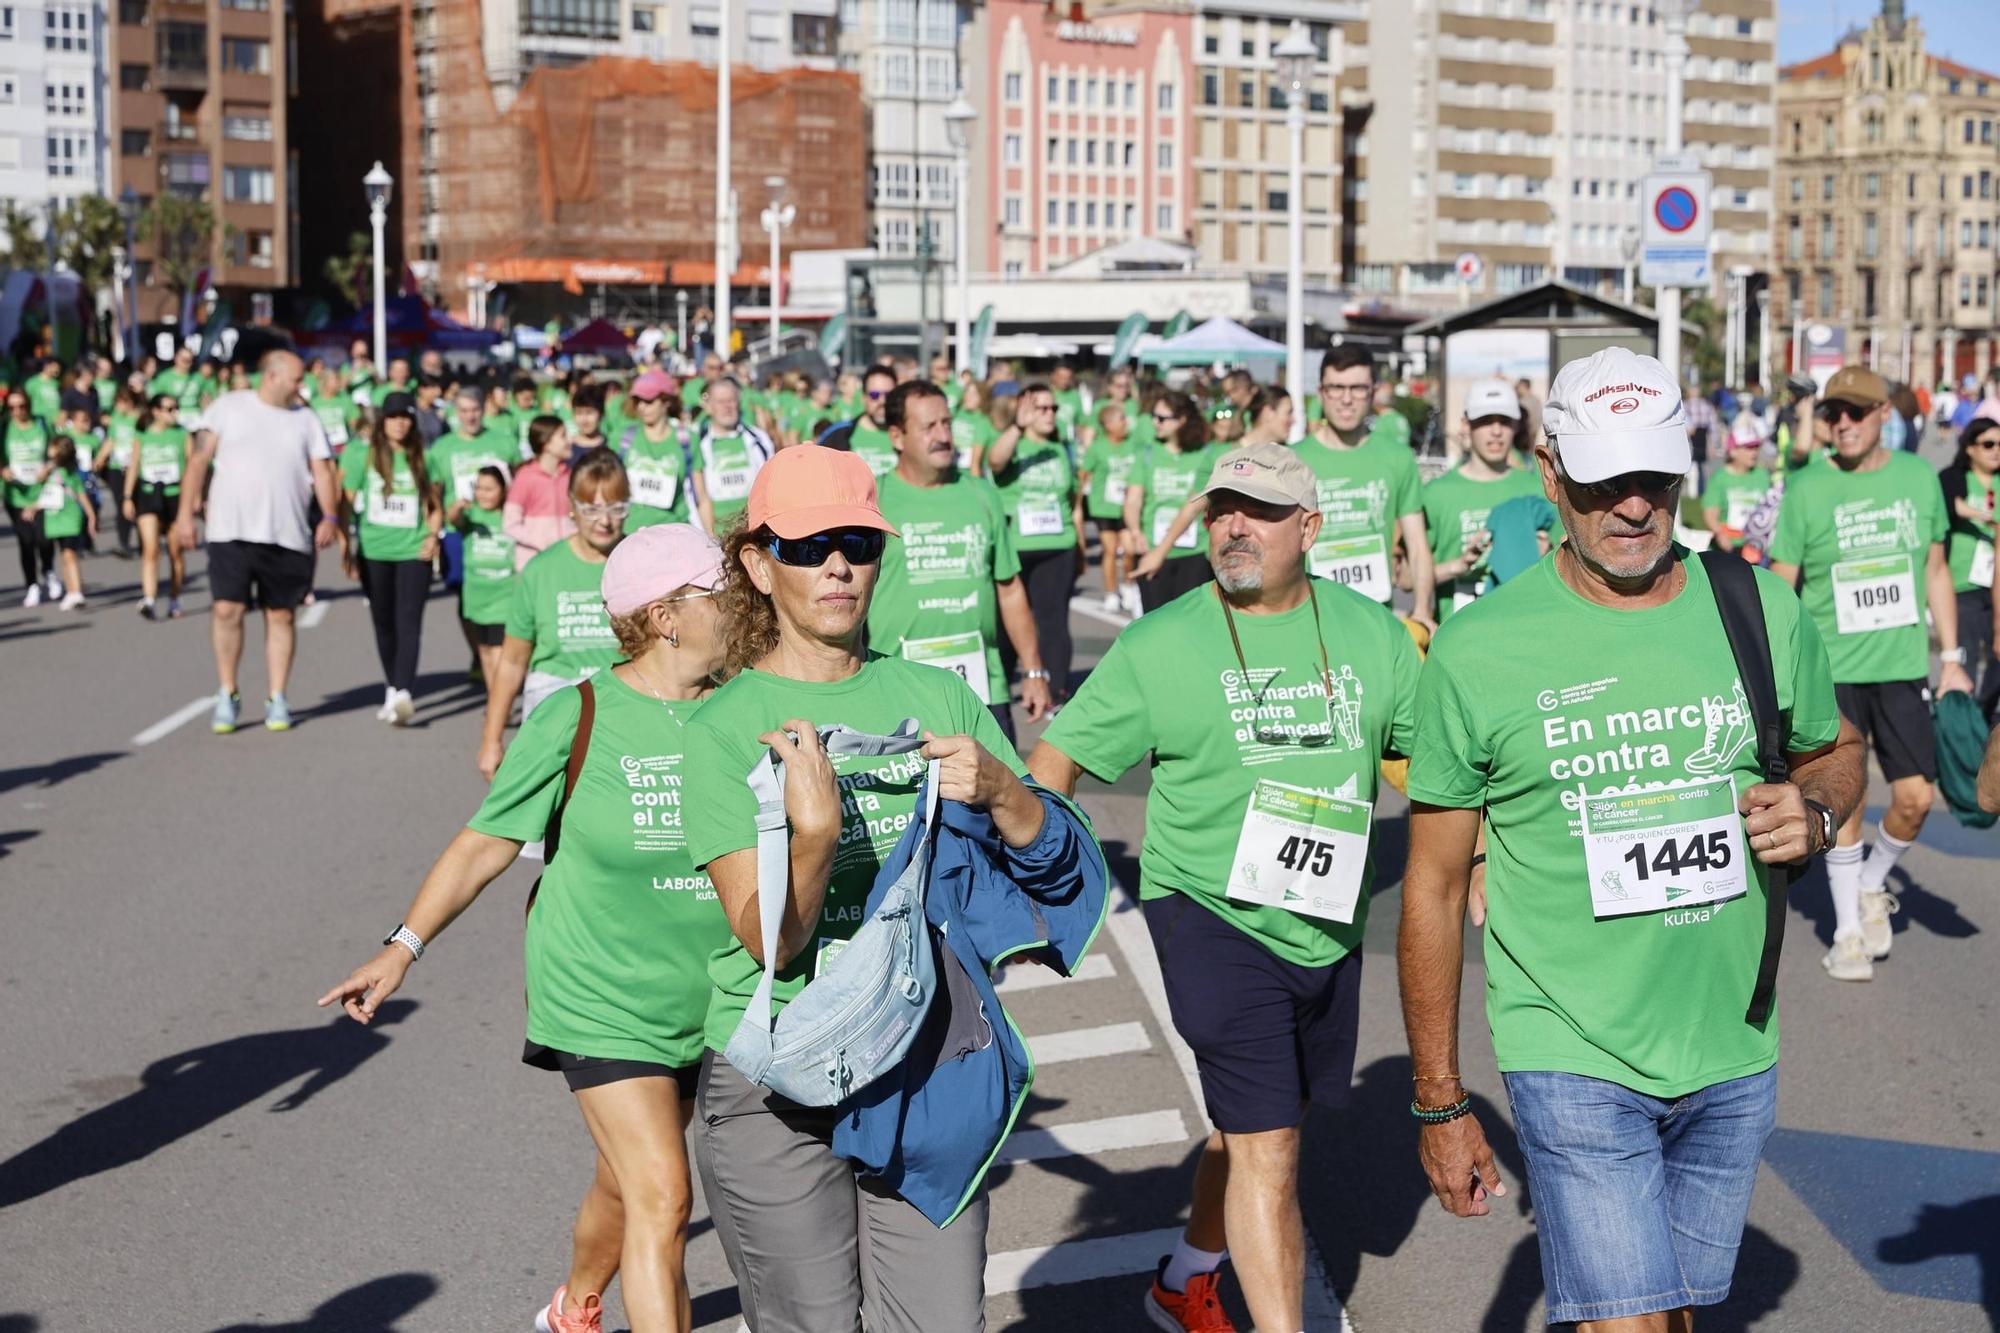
(554, 173)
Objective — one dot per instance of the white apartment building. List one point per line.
(53, 128)
(907, 54)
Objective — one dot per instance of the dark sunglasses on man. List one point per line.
(1834, 410)
(1652, 485)
(857, 546)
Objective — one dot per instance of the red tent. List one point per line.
(600, 336)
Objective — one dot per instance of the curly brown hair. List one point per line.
(750, 621)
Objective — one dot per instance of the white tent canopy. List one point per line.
(1218, 340)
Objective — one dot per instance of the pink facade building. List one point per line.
(1088, 133)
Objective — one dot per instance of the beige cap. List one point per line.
(1855, 384)
(1272, 473)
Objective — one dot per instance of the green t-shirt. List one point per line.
(872, 446)
(971, 433)
(727, 468)
(1970, 549)
(657, 470)
(163, 458)
(559, 607)
(622, 928)
(1037, 492)
(60, 499)
(389, 519)
(1736, 495)
(879, 794)
(334, 413)
(1861, 541)
(1069, 413)
(27, 453)
(454, 460)
(1169, 479)
(488, 590)
(122, 430)
(1109, 467)
(691, 391)
(1364, 492)
(44, 396)
(1533, 700)
(168, 381)
(934, 600)
(1151, 693)
(1455, 508)
(107, 394)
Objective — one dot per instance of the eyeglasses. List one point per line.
(1617, 488)
(1345, 390)
(618, 509)
(1166, 416)
(857, 546)
(689, 596)
(1839, 411)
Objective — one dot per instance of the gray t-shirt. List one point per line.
(263, 477)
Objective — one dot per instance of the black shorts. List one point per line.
(155, 500)
(75, 543)
(1268, 1036)
(486, 636)
(1896, 716)
(1109, 524)
(592, 1071)
(277, 578)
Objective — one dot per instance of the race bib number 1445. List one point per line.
(1668, 847)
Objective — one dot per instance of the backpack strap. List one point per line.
(1734, 583)
(579, 748)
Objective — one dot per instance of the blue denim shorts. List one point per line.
(1639, 1201)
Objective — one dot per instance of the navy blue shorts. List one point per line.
(1268, 1036)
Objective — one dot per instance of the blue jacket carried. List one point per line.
(931, 1127)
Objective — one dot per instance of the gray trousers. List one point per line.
(813, 1248)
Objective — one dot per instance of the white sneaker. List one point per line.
(1876, 909)
(72, 601)
(34, 597)
(1133, 606)
(387, 712)
(1848, 959)
(1112, 604)
(55, 588)
(401, 707)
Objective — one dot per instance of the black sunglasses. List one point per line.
(1836, 410)
(1617, 488)
(1984, 442)
(857, 546)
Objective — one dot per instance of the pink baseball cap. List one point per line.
(652, 384)
(654, 561)
(810, 488)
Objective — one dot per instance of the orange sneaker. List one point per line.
(589, 1319)
(1196, 1310)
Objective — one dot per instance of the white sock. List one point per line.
(1186, 1262)
(1881, 860)
(1843, 880)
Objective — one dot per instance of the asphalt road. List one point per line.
(187, 1144)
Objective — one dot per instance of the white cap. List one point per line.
(1616, 412)
(1492, 398)
(1746, 432)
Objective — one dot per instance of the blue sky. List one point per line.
(1963, 30)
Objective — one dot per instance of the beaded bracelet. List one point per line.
(1442, 1115)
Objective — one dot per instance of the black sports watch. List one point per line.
(1824, 819)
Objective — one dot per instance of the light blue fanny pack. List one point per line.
(855, 1021)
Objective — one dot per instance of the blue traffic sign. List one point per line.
(1676, 209)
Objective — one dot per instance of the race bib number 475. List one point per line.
(1302, 850)
(1669, 847)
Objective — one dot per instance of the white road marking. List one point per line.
(1051, 1048)
(1087, 1137)
(312, 615)
(1078, 1260)
(1084, 607)
(175, 720)
(1017, 977)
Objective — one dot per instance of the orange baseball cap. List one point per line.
(809, 488)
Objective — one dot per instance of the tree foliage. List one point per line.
(344, 272)
(182, 231)
(21, 230)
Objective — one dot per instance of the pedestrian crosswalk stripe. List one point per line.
(1085, 1137)
(1078, 1260)
(1033, 976)
(1089, 1043)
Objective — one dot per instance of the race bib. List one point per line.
(1360, 563)
(159, 474)
(1163, 520)
(1646, 851)
(963, 653)
(1879, 592)
(336, 433)
(1040, 518)
(1114, 490)
(656, 489)
(52, 495)
(1981, 573)
(729, 483)
(391, 511)
(1301, 850)
(1742, 504)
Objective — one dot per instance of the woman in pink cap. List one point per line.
(811, 1246)
(621, 924)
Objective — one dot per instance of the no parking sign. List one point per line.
(1674, 229)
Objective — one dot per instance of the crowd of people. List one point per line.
(766, 647)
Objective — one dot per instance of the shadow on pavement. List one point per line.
(187, 1092)
(7, 841)
(358, 697)
(60, 770)
(1921, 907)
(711, 1307)
(9, 634)
(1972, 1227)
(19, 1323)
(372, 1307)
(1765, 1271)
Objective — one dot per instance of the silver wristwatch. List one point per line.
(1823, 819)
(408, 938)
(1956, 656)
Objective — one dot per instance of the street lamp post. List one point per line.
(379, 183)
(776, 218)
(51, 241)
(1629, 245)
(128, 209)
(681, 306)
(1294, 57)
(725, 194)
(958, 122)
(1674, 16)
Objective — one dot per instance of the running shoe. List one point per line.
(1112, 603)
(34, 597)
(147, 610)
(173, 608)
(1196, 1310)
(1848, 959)
(1876, 909)
(387, 712)
(72, 602)
(277, 714)
(588, 1319)
(223, 720)
(401, 707)
(55, 588)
